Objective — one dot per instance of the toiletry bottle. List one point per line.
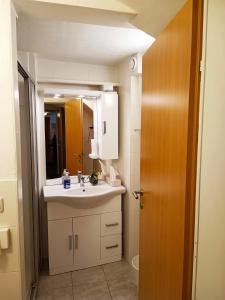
(63, 175)
(67, 181)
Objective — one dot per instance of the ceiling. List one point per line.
(77, 42)
(68, 10)
(152, 16)
(91, 31)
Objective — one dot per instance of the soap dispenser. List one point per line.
(63, 175)
(67, 181)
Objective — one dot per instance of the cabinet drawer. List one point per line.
(111, 223)
(111, 246)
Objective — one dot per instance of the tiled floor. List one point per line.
(112, 281)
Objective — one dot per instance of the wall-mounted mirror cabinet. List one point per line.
(78, 131)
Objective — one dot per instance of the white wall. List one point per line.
(210, 275)
(10, 267)
(52, 70)
(128, 164)
(28, 62)
(129, 120)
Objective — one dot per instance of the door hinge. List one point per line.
(196, 251)
(202, 66)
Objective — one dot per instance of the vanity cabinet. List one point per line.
(81, 238)
(107, 111)
(71, 240)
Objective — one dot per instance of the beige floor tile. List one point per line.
(56, 294)
(92, 291)
(90, 275)
(121, 271)
(123, 290)
(112, 281)
(55, 281)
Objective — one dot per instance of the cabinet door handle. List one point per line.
(111, 247)
(104, 127)
(70, 242)
(112, 224)
(76, 241)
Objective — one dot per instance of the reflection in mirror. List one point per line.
(69, 128)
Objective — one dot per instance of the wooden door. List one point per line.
(74, 136)
(168, 157)
(60, 242)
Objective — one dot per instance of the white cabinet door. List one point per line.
(108, 125)
(86, 241)
(60, 240)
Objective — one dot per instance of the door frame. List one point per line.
(198, 175)
(192, 148)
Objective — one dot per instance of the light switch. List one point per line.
(1, 205)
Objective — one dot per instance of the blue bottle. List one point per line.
(67, 181)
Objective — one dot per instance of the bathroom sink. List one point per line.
(87, 196)
(93, 191)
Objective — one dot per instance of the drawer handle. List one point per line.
(76, 241)
(104, 127)
(112, 224)
(70, 242)
(111, 247)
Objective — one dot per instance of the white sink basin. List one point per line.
(84, 192)
(87, 196)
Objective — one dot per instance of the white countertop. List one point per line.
(101, 190)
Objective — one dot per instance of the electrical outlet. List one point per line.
(1, 205)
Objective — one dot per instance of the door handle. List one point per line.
(70, 242)
(104, 127)
(138, 194)
(76, 241)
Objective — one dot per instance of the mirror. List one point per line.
(69, 128)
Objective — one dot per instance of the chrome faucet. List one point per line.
(82, 178)
(79, 175)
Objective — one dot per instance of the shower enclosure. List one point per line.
(28, 183)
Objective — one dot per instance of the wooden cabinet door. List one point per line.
(86, 232)
(60, 239)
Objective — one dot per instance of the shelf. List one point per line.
(93, 156)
